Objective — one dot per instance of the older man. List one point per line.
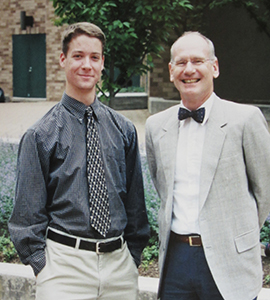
(210, 162)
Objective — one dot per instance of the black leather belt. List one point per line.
(192, 240)
(98, 247)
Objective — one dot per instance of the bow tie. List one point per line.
(197, 115)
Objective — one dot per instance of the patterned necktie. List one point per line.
(98, 194)
(197, 115)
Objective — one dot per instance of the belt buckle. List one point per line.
(98, 248)
(190, 240)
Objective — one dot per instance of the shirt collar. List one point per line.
(78, 108)
(96, 106)
(207, 105)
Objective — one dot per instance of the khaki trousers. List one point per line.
(74, 274)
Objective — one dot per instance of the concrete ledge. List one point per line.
(26, 99)
(156, 105)
(18, 282)
(148, 288)
(265, 110)
(125, 101)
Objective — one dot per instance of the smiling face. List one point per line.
(83, 65)
(194, 77)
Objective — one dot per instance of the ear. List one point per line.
(62, 60)
(171, 72)
(103, 61)
(215, 69)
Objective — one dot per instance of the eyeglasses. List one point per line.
(194, 61)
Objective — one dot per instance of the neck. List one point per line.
(193, 103)
(85, 97)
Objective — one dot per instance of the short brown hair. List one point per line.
(80, 28)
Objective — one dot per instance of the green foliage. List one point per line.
(134, 30)
(7, 249)
(132, 89)
(265, 233)
(267, 279)
(152, 203)
(8, 156)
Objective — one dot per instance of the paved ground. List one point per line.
(16, 117)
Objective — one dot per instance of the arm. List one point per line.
(29, 220)
(137, 231)
(256, 141)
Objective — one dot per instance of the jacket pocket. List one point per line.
(247, 240)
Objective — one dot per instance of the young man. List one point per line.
(210, 163)
(79, 217)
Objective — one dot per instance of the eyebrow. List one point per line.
(81, 51)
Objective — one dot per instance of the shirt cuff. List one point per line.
(38, 261)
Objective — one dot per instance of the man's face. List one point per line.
(83, 65)
(194, 80)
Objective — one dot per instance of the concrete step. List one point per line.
(17, 282)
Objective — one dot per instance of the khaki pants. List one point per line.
(74, 274)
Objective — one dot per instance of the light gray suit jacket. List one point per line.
(234, 190)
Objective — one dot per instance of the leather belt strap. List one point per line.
(98, 247)
(192, 240)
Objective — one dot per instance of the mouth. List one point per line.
(190, 80)
(86, 76)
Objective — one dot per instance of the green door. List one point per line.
(29, 65)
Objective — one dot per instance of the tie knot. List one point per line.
(89, 111)
(197, 115)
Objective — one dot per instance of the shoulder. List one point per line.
(48, 128)
(119, 120)
(239, 112)
(161, 118)
(235, 106)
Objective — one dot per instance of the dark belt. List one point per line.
(98, 247)
(192, 240)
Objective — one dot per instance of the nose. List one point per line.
(86, 63)
(189, 68)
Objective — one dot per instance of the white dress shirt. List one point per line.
(187, 173)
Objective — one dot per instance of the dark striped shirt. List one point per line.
(52, 187)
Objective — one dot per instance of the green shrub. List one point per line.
(8, 157)
(265, 233)
(152, 203)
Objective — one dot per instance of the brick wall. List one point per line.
(160, 85)
(238, 63)
(42, 12)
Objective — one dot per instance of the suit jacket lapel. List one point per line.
(213, 144)
(168, 147)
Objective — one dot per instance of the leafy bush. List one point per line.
(265, 233)
(8, 156)
(152, 202)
